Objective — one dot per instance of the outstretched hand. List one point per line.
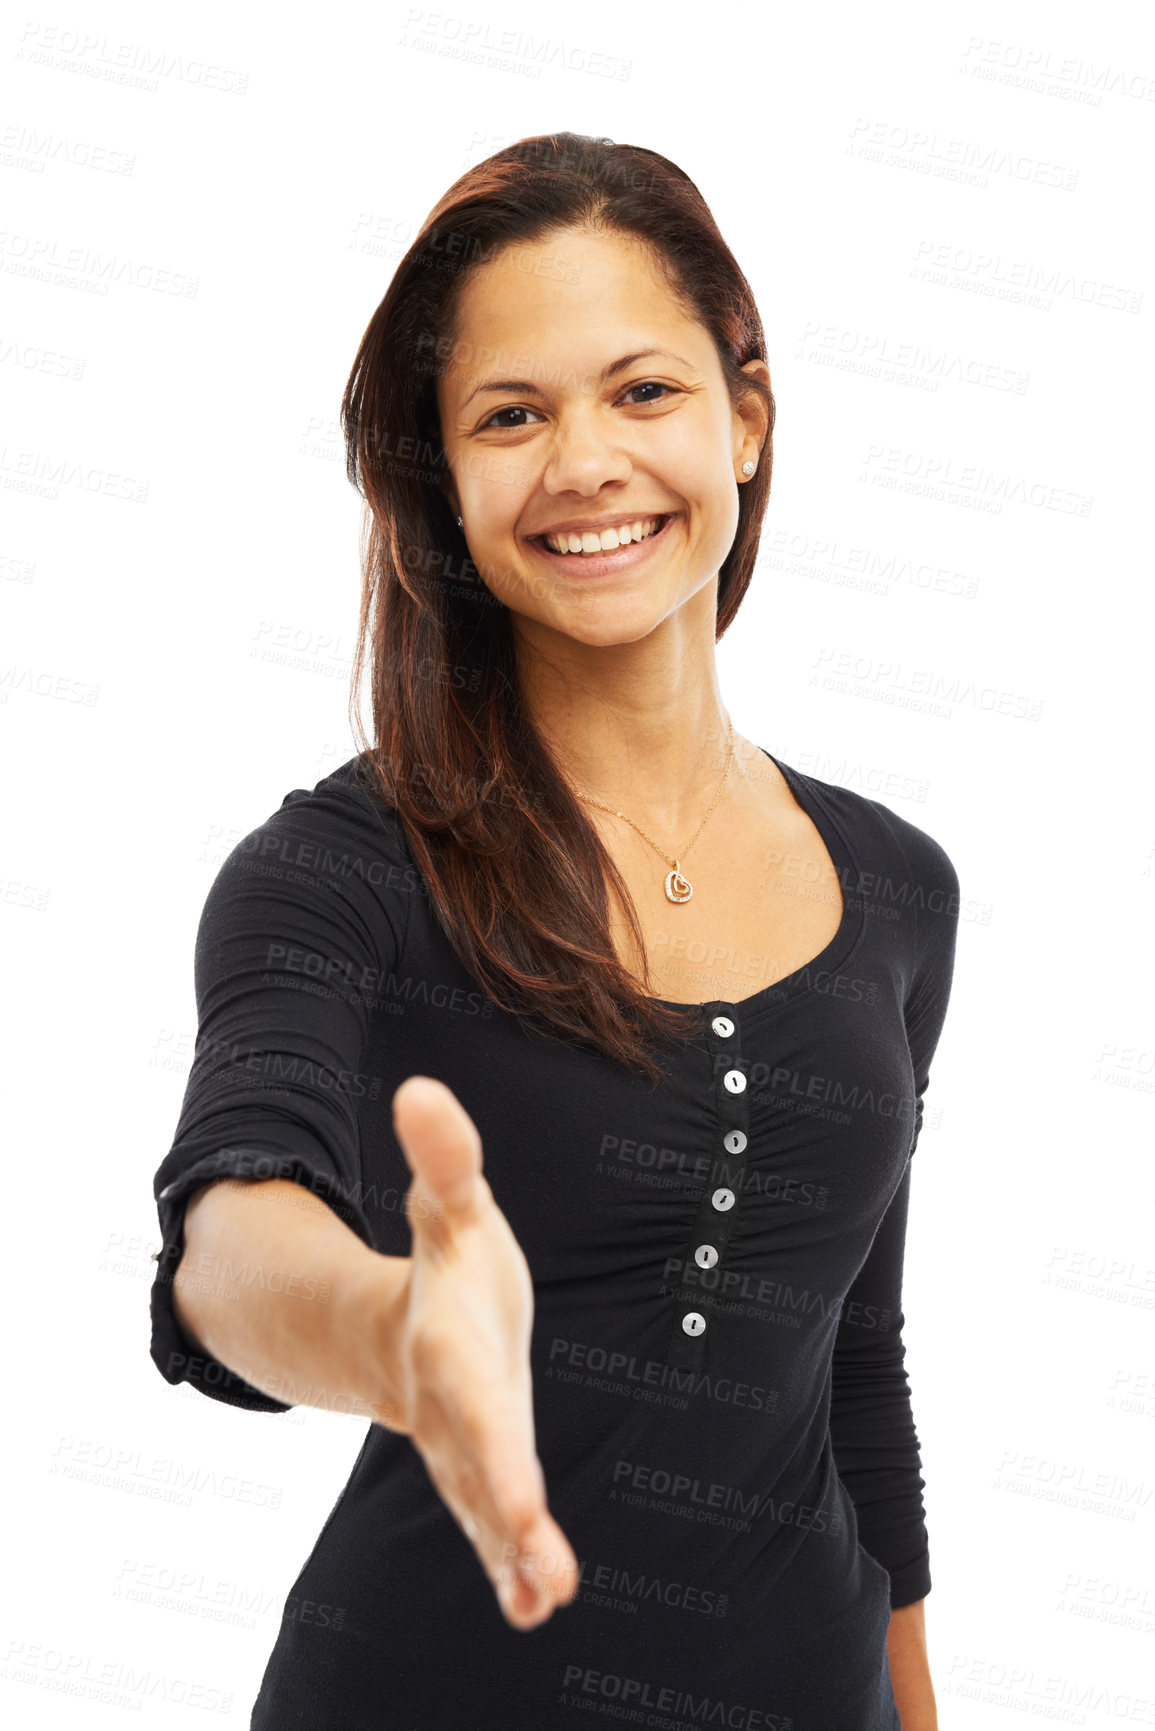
(463, 1376)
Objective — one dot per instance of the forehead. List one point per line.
(562, 305)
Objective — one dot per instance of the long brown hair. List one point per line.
(515, 871)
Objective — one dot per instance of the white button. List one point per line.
(722, 1199)
(694, 1322)
(722, 1026)
(735, 1142)
(705, 1256)
(735, 1081)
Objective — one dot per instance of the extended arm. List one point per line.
(270, 1291)
(278, 1289)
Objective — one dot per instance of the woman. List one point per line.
(642, 1439)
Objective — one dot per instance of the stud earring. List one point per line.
(459, 522)
(747, 468)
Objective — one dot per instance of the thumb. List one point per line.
(442, 1146)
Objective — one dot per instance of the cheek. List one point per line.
(718, 523)
(692, 466)
(682, 459)
(496, 501)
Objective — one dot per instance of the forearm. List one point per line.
(275, 1285)
(910, 1668)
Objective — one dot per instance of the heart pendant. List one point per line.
(678, 888)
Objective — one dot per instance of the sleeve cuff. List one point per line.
(174, 1355)
(910, 1583)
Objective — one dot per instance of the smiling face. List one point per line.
(583, 402)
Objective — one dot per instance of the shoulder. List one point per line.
(885, 843)
(335, 851)
(344, 809)
(905, 874)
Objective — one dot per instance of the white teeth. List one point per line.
(591, 542)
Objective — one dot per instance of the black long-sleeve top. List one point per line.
(721, 1405)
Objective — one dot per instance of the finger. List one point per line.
(492, 1481)
(474, 1426)
(541, 1575)
(538, 1583)
(442, 1146)
(484, 1459)
(533, 1573)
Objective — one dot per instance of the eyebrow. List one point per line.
(528, 388)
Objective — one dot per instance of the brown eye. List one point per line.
(514, 409)
(650, 385)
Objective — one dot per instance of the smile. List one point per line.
(604, 540)
(610, 549)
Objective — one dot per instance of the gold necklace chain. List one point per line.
(678, 886)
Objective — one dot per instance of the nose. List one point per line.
(585, 452)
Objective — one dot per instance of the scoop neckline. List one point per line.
(850, 928)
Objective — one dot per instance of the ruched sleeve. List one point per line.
(876, 1445)
(299, 933)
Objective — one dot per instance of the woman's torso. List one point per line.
(692, 1471)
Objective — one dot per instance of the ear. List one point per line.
(751, 417)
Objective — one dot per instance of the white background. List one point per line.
(944, 216)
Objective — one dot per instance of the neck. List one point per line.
(637, 732)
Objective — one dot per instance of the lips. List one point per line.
(632, 530)
(608, 562)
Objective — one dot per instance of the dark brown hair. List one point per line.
(515, 871)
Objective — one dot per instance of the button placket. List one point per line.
(696, 1317)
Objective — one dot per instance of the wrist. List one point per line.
(372, 1312)
(909, 1665)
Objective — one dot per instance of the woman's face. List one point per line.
(579, 396)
